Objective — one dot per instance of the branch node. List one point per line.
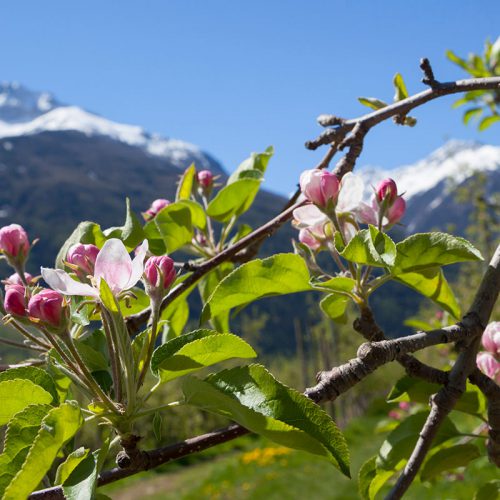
(330, 120)
(428, 78)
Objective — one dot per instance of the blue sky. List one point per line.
(234, 77)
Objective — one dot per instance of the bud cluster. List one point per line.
(488, 361)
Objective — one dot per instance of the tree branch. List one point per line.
(399, 108)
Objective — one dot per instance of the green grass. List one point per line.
(260, 469)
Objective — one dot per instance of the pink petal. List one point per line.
(351, 193)
(137, 265)
(62, 282)
(309, 215)
(114, 264)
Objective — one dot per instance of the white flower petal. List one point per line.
(309, 215)
(113, 263)
(137, 265)
(62, 282)
(351, 193)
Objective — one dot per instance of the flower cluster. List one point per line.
(342, 202)
(488, 361)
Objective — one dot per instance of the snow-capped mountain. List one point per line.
(429, 184)
(25, 112)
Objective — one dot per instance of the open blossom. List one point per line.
(14, 241)
(83, 258)
(319, 187)
(47, 307)
(113, 264)
(15, 300)
(155, 207)
(488, 364)
(491, 338)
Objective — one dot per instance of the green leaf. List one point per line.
(207, 286)
(57, 428)
(234, 199)
(107, 298)
(489, 491)
(185, 186)
(70, 464)
(488, 121)
(256, 163)
(334, 306)
(448, 459)
(457, 60)
(425, 250)
(431, 283)
(36, 375)
(371, 479)
(401, 441)
(82, 482)
(86, 232)
(21, 432)
(195, 351)
(131, 233)
(94, 360)
(243, 230)
(277, 275)
(157, 421)
(407, 388)
(371, 247)
(175, 225)
(251, 396)
(400, 87)
(372, 102)
(17, 394)
(339, 284)
(471, 113)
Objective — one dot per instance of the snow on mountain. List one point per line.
(455, 161)
(24, 112)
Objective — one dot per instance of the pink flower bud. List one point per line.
(487, 363)
(15, 300)
(396, 211)
(83, 257)
(205, 178)
(307, 238)
(394, 415)
(491, 338)
(47, 306)
(155, 207)
(166, 266)
(387, 189)
(319, 187)
(404, 405)
(14, 241)
(15, 279)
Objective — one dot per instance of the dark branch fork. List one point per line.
(350, 134)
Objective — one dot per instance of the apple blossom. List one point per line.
(307, 238)
(15, 279)
(205, 178)
(386, 189)
(491, 338)
(113, 264)
(155, 207)
(487, 363)
(82, 258)
(319, 187)
(14, 242)
(47, 307)
(15, 300)
(167, 274)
